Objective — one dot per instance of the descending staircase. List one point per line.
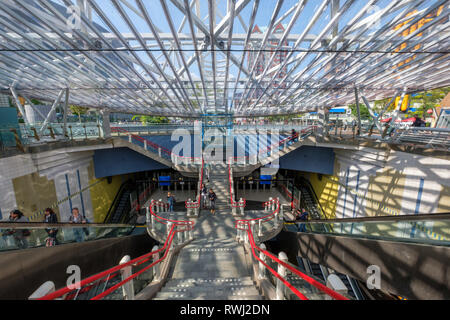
(218, 181)
(212, 267)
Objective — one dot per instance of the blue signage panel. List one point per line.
(164, 180)
(265, 179)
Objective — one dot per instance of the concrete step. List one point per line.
(230, 281)
(187, 297)
(215, 291)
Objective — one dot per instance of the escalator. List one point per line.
(310, 201)
(414, 245)
(121, 205)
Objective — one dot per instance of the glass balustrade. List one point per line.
(15, 236)
(429, 231)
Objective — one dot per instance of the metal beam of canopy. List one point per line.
(184, 57)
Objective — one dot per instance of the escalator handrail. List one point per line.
(244, 224)
(189, 225)
(405, 217)
(305, 277)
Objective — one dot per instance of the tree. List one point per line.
(78, 110)
(150, 119)
(362, 110)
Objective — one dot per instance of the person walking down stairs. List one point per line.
(212, 200)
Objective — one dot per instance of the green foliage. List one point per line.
(150, 119)
(78, 110)
(362, 110)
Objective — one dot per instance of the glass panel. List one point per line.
(436, 232)
(13, 238)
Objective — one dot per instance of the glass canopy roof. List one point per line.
(242, 57)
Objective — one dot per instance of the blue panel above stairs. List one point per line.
(111, 162)
(309, 159)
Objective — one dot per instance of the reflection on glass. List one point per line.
(436, 232)
(31, 237)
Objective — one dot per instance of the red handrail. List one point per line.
(313, 282)
(139, 260)
(233, 203)
(150, 143)
(277, 144)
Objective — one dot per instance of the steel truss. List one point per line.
(140, 57)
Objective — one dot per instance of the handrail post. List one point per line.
(241, 203)
(260, 228)
(145, 144)
(191, 234)
(252, 227)
(281, 210)
(156, 266)
(262, 268)
(282, 272)
(246, 233)
(128, 287)
(129, 138)
(158, 206)
(169, 226)
(180, 237)
(189, 207)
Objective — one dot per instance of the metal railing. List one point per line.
(152, 260)
(241, 203)
(194, 206)
(246, 233)
(156, 148)
(275, 147)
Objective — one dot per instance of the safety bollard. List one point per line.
(126, 272)
(156, 266)
(282, 272)
(262, 268)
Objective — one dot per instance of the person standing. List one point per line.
(50, 217)
(20, 235)
(76, 217)
(170, 201)
(212, 200)
(302, 216)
